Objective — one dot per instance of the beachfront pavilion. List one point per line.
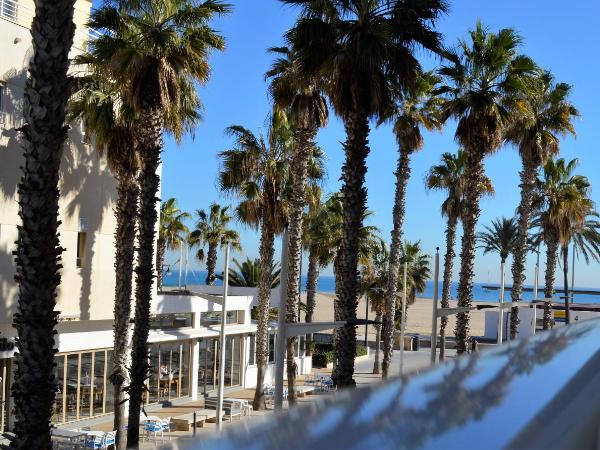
(184, 357)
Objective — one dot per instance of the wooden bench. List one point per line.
(185, 422)
(303, 391)
(231, 408)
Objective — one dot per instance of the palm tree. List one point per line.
(156, 51)
(419, 108)
(548, 115)
(248, 274)
(106, 120)
(257, 170)
(586, 241)
(172, 231)
(418, 270)
(38, 251)
(212, 229)
(359, 46)
(480, 76)
(564, 204)
(449, 176)
(500, 237)
(301, 98)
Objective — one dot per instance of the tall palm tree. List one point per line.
(257, 171)
(418, 269)
(248, 274)
(38, 251)
(500, 237)
(419, 108)
(172, 232)
(300, 96)
(105, 118)
(359, 46)
(156, 50)
(586, 241)
(548, 114)
(564, 204)
(481, 75)
(212, 230)
(449, 176)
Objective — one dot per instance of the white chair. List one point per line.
(166, 425)
(110, 439)
(153, 428)
(95, 440)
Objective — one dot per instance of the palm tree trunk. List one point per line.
(264, 294)
(565, 255)
(299, 168)
(211, 263)
(150, 146)
(312, 278)
(125, 213)
(551, 253)
(354, 199)
(474, 175)
(528, 176)
(38, 251)
(160, 258)
(377, 342)
(402, 176)
(447, 283)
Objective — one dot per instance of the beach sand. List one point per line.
(419, 316)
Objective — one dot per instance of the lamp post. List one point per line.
(436, 275)
(403, 322)
(222, 341)
(501, 302)
(281, 335)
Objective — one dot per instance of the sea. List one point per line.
(327, 284)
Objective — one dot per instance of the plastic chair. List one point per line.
(166, 425)
(95, 441)
(109, 439)
(152, 427)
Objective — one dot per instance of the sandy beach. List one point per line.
(419, 315)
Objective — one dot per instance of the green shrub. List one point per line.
(319, 360)
(361, 350)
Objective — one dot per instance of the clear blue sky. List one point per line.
(560, 37)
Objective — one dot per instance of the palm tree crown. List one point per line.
(172, 228)
(248, 274)
(500, 237)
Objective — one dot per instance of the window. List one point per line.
(252, 347)
(81, 248)
(212, 318)
(271, 348)
(170, 321)
(8, 9)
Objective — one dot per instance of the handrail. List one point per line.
(540, 392)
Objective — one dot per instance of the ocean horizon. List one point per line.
(326, 284)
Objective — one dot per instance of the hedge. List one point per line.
(324, 354)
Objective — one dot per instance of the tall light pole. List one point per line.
(403, 322)
(501, 301)
(180, 264)
(436, 275)
(281, 335)
(222, 341)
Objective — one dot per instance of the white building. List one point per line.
(184, 336)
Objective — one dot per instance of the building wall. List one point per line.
(87, 188)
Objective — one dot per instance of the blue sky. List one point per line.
(561, 38)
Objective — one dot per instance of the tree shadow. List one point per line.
(87, 192)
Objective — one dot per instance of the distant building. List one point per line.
(184, 336)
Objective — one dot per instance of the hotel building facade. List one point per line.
(184, 333)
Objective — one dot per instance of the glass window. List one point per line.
(85, 385)
(99, 382)
(9, 8)
(170, 321)
(228, 360)
(236, 375)
(109, 398)
(153, 378)
(212, 318)
(59, 375)
(302, 345)
(206, 364)
(271, 348)
(252, 350)
(81, 248)
(71, 384)
(185, 370)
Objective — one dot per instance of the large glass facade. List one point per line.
(84, 389)
(5, 374)
(169, 371)
(209, 362)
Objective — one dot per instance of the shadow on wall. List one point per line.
(87, 191)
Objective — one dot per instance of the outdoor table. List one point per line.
(69, 437)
